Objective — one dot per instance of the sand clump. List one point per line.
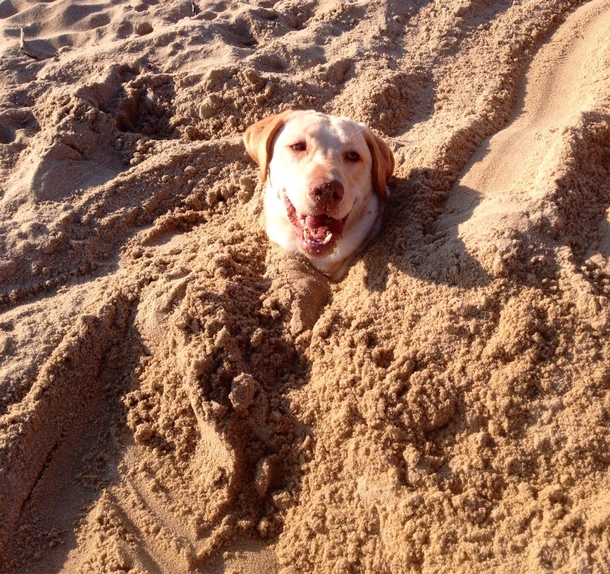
(178, 395)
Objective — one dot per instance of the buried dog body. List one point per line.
(325, 185)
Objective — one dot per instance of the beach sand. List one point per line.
(179, 395)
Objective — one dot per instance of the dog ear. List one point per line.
(258, 139)
(383, 163)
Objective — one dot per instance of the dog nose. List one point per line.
(326, 194)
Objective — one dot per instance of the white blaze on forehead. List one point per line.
(325, 133)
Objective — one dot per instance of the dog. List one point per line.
(325, 181)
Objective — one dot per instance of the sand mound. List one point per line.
(178, 395)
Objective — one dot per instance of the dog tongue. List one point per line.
(319, 226)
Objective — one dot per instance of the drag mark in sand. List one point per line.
(507, 173)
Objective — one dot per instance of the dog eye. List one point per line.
(352, 156)
(298, 146)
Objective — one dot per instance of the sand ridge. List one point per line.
(177, 394)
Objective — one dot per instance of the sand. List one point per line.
(179, 395)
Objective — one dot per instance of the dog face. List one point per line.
(325, 184)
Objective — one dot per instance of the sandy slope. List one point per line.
(177, 395)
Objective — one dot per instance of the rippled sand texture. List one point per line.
(178, 395)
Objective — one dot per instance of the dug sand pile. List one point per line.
(178, 395)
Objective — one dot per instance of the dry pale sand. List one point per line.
(178, 395)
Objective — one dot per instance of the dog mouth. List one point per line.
(316, 234)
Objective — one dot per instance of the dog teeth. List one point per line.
(325, 241)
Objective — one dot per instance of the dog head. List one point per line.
(321, 170)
